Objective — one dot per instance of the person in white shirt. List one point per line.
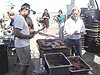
(73, 29)
(22, 36)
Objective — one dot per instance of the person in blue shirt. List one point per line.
(61, 20)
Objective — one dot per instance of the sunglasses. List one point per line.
(11, 14)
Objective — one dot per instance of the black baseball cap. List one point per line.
(25, 6)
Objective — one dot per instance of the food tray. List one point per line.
(80, 63)
(56, 64)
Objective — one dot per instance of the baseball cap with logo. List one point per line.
(25, 6)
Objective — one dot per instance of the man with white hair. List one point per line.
(74, 28)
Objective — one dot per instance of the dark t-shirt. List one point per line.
(29, 22)
(46, 20)
(47, 15)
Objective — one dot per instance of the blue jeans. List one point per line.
(61, 28)
(74, 43)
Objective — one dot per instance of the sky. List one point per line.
(51, 5)
(40, 5)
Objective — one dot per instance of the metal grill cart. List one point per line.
(51, 46)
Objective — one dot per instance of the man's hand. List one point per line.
(76, 32)
(22, 36)
(31, 36)
(44, 17)
(31, 30)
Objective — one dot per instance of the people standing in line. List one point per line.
(46, 17)
(60, 21)
(22, 36)
(74, 28)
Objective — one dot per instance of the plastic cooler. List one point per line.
(56, 64)
(3, 59)
(79, 66)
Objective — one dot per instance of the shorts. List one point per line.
(24, 55)
(46, 23)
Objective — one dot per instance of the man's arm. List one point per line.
(82, 30)
(20, 35)
(61, 18)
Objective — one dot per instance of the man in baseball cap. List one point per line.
(25, 6)
(22, 39)
(25, 10)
